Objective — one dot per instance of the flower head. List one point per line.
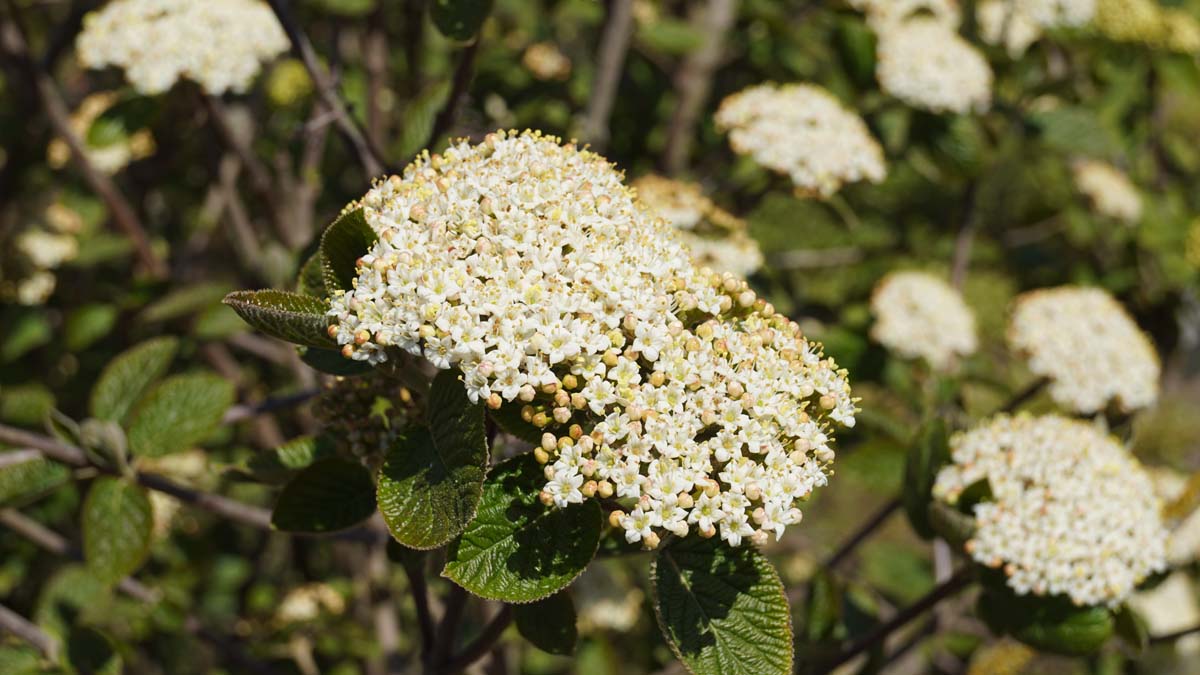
(219, 44)
(1088, 346)
(1072, 513)
(918, 315)
(928, 65)
(802, 131)
(529, 267)
(883, 14)
(1110, 192)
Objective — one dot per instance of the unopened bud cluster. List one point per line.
(218, 44)
(1088, 346)
(1072, 513)
(803, 132)
(528, 266)
(363, 414)
(715, 237)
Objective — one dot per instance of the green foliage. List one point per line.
(311, 280)
(518, 549)
(460, 19)
(926, 455)
(333, 363)
(127, 377)
(117, 525)
(29, 478)
(299, 319)
(179, 412)
(329, 495)
(722, 608)
(1048, 623)
(549, 624)
(342, 244)
(432, 479)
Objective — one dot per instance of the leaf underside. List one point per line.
(291, 317)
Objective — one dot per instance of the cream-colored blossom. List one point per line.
(1072, 513)
(546, 61)
(529, 266)
(1088, 346)
(109, 158)
(884, 14)
(802, 131)
(716, 238)
(218, 44)
(1109, 191)
(1002, 23)
(928, 65)
(917, 315)
(306, 603)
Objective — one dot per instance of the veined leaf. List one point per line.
(28, 479)
(330, 495)
(117, 523)
(517, 549)
(342, 244)
(722, 609)
(299, 319)
(311, 280)
(333, 363)
(548, 624)
(129, 375)
(180, 412)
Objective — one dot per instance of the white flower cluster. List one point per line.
(1057, 13)
(546, 62)
(1072, 512)
(1109, 191)
(928, 65)
(1001, 22)
(715, 237)
(219, 44)
(802, 131)
(883, 14)
(28, 278)
(109, 158)
(917, 315)
(1088, 346)
(530, 267)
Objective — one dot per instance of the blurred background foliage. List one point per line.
(231, 595)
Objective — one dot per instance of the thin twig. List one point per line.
(375, 60)
(1021, 397)
(14, 41)
(693, 81)
(245, 411)
(19, 626)
(481, 645)
(964, 241)
(368, 155)
(880, 633)
(419, 590)
(614, 46)
(862, 533)
(447, 629)
(836, 256)
(464, 72)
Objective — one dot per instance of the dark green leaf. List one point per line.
(88, 324)
(23, 334)
(823, 609)
(722, 608)
(1051, 624)
(311, 280)
(299, 319)
(73, 594)
(332, 494)
(129, 375)
(90, 652)
(548, 624)
(950, 524)
(342, 244)
(1131, 628)
(333, 363)
(925, 458)
(278, 465)
(25, 405)
(117, 524)
(517, 549)
(180, 412)
(459, 19)
(28, 478)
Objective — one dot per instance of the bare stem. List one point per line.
(614, 46)
(245, 411)
(482, 644)
(19, 626)
(464, 72)
(693, 81)
(1023, 396)
(447, 630)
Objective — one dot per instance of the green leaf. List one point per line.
(722, 608)
(185, 301)
(276, 466)
(517, 549)
(73, 594)
(823, 608)
(21, 481)
(925, 457)
(1051, 624)
(129, 375)
(311, 280)
(950, 524)
(432, 480)
(117, 524)
(670, 36)
(180, 412)
(548, 624)
(342, 244)
(333, 363)
(299, 319)
(89, 323)
(1131, 628)
(90, 651)
(25, 405)
(330, 495)
(459, 19)
(23, 334)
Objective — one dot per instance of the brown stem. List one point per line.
(245, 411)
(693, 81)
(464, 72)
(19, 626)
(964, 241)
(1023, 396)
(420, 596)
(862, 533)
(14, 41)
(368, 155)
(880, 633)
(614, 46)
(375, 60)
(482, 644)
(447, 629)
